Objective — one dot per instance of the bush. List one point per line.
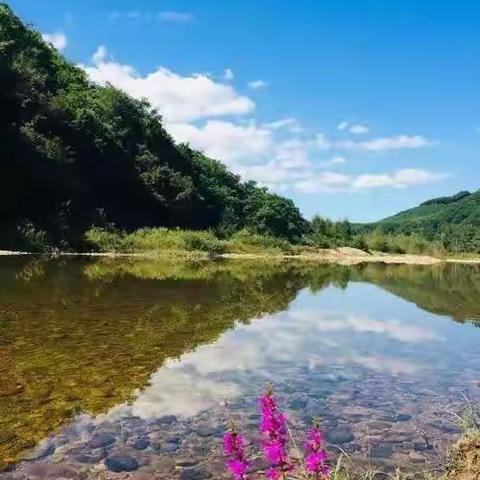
(32, 238)
(203, 241)
(246, 241)
(360, 243)
(103, 240)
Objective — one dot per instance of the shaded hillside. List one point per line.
(74, 154)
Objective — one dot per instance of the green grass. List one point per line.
(398, 244)
(154, 240)
(205, 242)
(160, 240)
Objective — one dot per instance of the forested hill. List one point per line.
(462, 208)
(75, 155)
(455, 220)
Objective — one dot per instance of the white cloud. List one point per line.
(228, 74)
(290, 124)
(178, 98)
(323, 182)
(387, 143)
(356, 128)
(257, 84)
(331, 182)
(177, 17)
(100, 55)
(399, 179)
(293, 153)
(272, 174)
(57, 39)
(226, 141)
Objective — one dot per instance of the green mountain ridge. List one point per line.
(464, 207)
(453, 220)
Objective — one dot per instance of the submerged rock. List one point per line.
(141, 443)
(195, 474)
(402, 417)
(341, 435)
(121, 463)
(39, 452)
(101, 439)
(383, 451)
(168, 448)
(47, 470)
(186, 462)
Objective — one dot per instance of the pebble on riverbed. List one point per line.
(121, 463)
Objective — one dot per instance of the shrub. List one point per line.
(203, 241)
(103, 240)
(32, 238)
(246, 241)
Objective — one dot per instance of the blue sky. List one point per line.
(355, 109)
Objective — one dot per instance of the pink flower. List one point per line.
(234, 449)
(316, 455)
(275, 437)
(233, 443)
(273, 474)
(238, 468)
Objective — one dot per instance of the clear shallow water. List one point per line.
(137, 363)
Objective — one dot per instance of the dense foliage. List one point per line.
(76, 155)
(453, 222)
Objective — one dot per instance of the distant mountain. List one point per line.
(462, 208)
(454, 220)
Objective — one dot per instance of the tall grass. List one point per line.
(246, 241)
(412, 244)
(154, 240)
(159, 240)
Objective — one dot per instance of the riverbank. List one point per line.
(342, 256)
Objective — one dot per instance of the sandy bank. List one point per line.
(344, 256)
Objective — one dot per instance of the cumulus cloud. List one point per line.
(178, 98)
(293, 153)
(57, 39)
(356, 128)
(257, 84)
(398, 142)
(228, 74)
(331, 182)
(100, 55)
(230, 142)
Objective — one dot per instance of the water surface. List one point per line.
(145, 362)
